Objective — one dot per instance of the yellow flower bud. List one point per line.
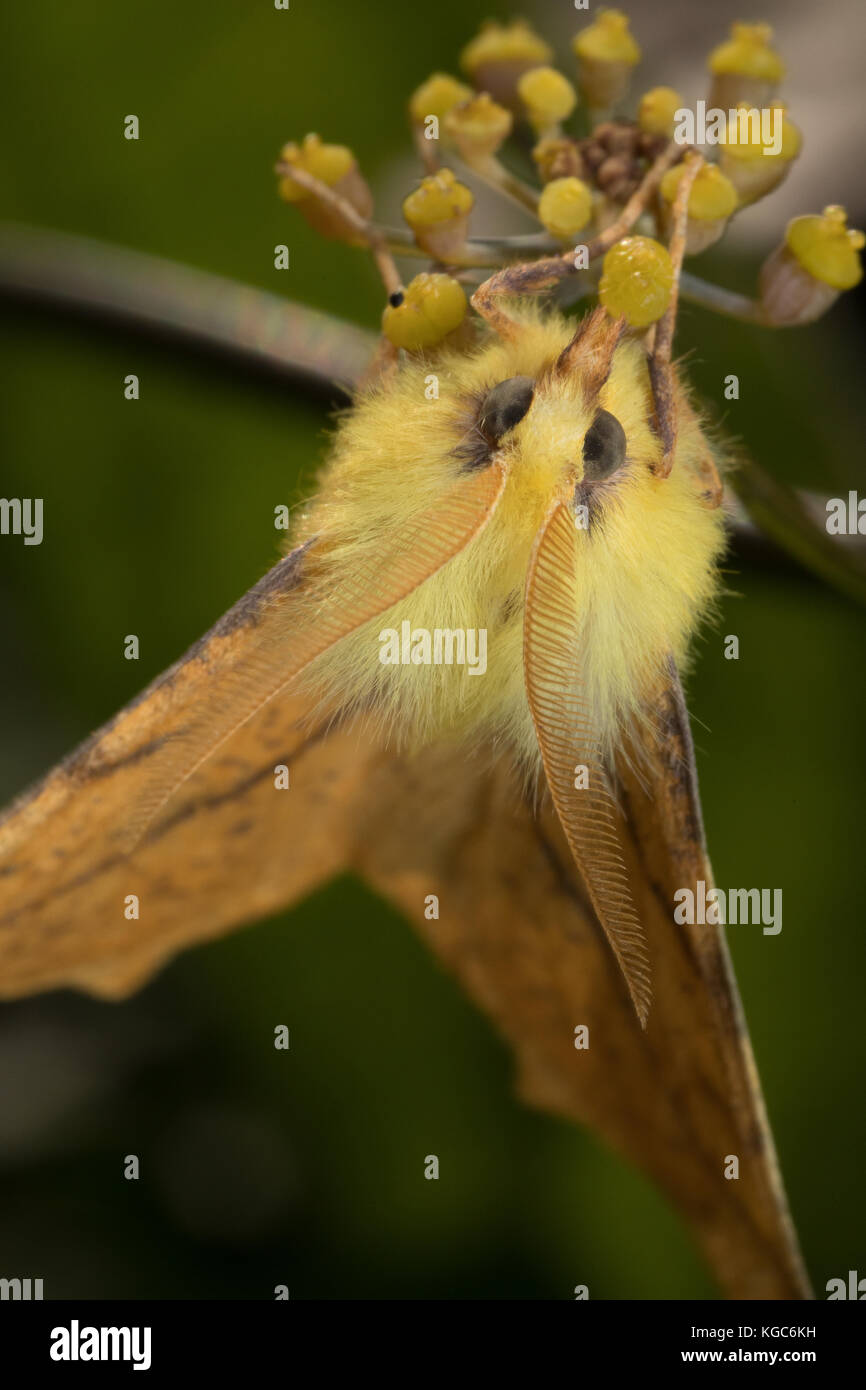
(556, 157)
(432, 307)
(819, 258)
(436, 96)
(606, 54)
(565, 207)
(500, 54)
(608, 39)
(712, 200)
(327, 163)
(334, 166)
(746, 141)
(657, 110)
(478, 126)
(547, 96)
(637, 280)
(438, 198)
(747, 156)
(748, 51)
(438, 213)
(745, 67)
(827, 248)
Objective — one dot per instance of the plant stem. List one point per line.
(728, 302)
(480, 251)
(141, 291)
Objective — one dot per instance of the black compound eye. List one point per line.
(505, 406)
(604, 447)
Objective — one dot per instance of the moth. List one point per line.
(558, 494)
(552, 803)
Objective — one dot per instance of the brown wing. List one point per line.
(516, 923)
(517, 927)
(185, 776)
(233, 848)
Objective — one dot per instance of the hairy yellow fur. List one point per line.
(646, 566)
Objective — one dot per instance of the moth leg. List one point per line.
(528, 278)
(382, 367)
(591, 351)
(534, 276)
(661, 371)
(712, 486)
(714, 489)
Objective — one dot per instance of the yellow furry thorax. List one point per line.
(647, 568)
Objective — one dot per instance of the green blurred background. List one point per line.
(306, 1167)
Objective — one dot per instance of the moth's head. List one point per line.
(572, 424)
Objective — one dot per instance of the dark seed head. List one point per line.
(604, 447)
(505, 406)
(395, 299)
